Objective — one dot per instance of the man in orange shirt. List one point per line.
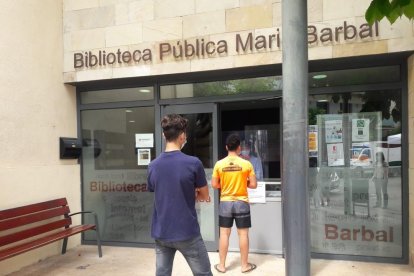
(233, 175)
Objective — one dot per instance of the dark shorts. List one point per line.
(234, 210)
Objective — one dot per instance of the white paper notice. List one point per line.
(144, 156)
(360, 130)
(258, 195)
(144, 140)
(335, 154)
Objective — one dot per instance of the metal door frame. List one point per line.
(201, 108)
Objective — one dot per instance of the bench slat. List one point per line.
(18, 236)
(35, 217)
(16, 250)
(32, 208)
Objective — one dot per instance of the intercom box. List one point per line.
(70, 148)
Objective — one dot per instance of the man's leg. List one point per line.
(164, 258)
(244, 247)
(195, 253)
(223, 247)
(243, 223)
(225, 223)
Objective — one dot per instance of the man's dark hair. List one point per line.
(173, 125)
(232, 142)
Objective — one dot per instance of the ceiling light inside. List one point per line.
(145, 90)
(319, 77)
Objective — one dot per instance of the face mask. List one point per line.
(244, 153)
(185, 142)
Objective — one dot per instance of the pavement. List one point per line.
(83, 260)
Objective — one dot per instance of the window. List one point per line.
(355, 174)
(384, 74)
(117, 95)
(115, 171)
(222, 88)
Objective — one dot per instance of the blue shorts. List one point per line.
(234, 210)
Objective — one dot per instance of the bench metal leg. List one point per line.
(98, 237)
(65, 243)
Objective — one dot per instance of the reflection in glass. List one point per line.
(200, 137)
(355, 173)
(117, 95)
(114, 184)
(258, 127)
(357, 76)
(200, 144)
(222, 88)
(114, 130)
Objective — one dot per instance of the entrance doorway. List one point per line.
(258, 123)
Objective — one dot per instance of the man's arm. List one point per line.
(150, 186)
(252, 182)
(202, 193)
(215, 182)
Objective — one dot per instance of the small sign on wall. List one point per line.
(144, 157)
(144, 140)
(360, 130)
(258, 195)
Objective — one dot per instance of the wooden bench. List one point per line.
(32, 226)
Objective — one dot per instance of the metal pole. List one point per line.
(295, 142)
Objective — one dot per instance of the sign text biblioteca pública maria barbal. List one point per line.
(202, 48)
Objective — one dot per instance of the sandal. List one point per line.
(252, 267)
(216, 266)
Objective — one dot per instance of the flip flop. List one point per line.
(252, 267)
(216, 266)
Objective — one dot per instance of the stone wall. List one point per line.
(36, 109)
(128, 26)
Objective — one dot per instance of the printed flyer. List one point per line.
(313, 140)
(335, 154)
(333, 131)
(360, 130)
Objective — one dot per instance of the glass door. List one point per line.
(113, 175)
(202, 143)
